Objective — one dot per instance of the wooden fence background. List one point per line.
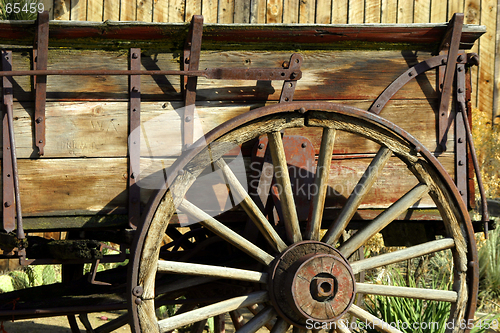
(484, 12)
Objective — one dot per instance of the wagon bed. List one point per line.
(80, 169)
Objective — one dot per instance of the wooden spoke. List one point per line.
(210, 271)
(237, 319)
(286, 195)
(261, 319)
(251, 208)
(381, 221)
(224, 232)
(367, 317)
(208, 311)
(281, 326)
(421, 293)
(358, 194)
(321, 184)
(182, 284)
(401, 255)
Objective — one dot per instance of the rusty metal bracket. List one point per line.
(134, 142)
(460, 136)
(9, 213)
(190, 62)
(450, 44)
(289, 85)
(40, 57)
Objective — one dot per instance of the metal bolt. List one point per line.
(7, 204)
(460, 69)
(444, 61)
(137, 291)
(138, 301)
(418, 149)
(135, 55)
(186, 61)
(285, 64)
(188, 119)
(39, 120)
(41, 141)
(132, 175)
(460, 163)
(302, 110)
(410, 74)
(134, 110)
(134, 89)
(460, 140)
(261, 146)
(460, 58)
(304, 144)
(180, 172)
(293, 75)
(460, 90)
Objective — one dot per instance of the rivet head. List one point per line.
(293, 75)
(188, 119)
(8, 204)
(135, 55)
(410, 74)
(460, 163)
(40, 141)
(302, 110)
(135, 89)
(460, 90)
(444, 61)
(261, 146)
(460, 140)
(304, 144)
(137, 291)
(39, 120)
(460, 58)
(132, 175)
(138, 301)
(180, 172)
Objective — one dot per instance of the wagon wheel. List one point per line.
(293, 272)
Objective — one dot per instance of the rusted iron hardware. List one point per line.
(12, 186)
(460, 136)
(40, 57)
(134, 147)
(190, 62)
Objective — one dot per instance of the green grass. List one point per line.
(489, 272)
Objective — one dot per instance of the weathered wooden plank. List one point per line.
(340, 11)
(307, 10)
(62, 9)
(99, 129)
(160, 11)
(472, 13)
(94, 11)
(123, 35)
(128, 10)
(422, 11)
(356, 11)
(438, 12)
(274, 11)
(209, 10)
(323, 11)
(145, 11)
(372, 11)
(389, 11)
(226, 11)
(322, 77)
(291, 11)
(48, 5)
(487, 53)
(78, 10)
(241, 11)
(258, 11)
(176, 10)
(111, 10)
(455, 6)
(405, 11)
(193, 7)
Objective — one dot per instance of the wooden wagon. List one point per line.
(244, 171)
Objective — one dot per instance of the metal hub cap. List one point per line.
(311, 281)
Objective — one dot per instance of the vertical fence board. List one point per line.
(438, 11)
(472, 13)
(48, 5)
(111, 10)
(160, 10)
(487, 55)
(455, 6)
(62, 9)
(241, 11)
(209, 9)
(175, 11)
(144, 10)
(307, 11)
(340, 11)
(496, 89)
(356, 11)
(79, 10)
(405, 11)
(127, 10)
(422, 11)
(323, 11)
(274, 11)
(226, 11)
(389, 11)
(291, 11)
(94, 10)
(193, 7)
(372, 11)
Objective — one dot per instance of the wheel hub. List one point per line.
(311, 281)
